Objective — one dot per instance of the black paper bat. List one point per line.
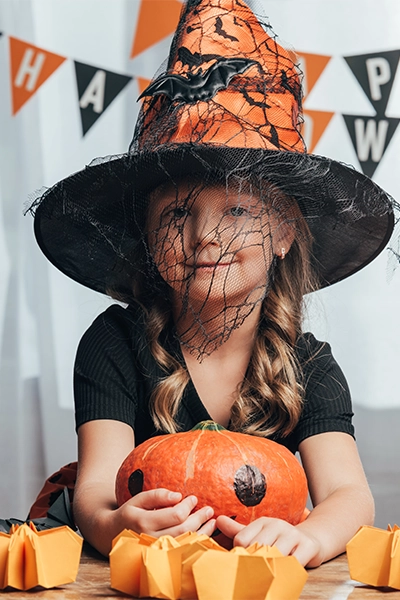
(199, 86)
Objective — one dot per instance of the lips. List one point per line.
(210, 265)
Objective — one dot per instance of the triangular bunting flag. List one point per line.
(315, 123)
(143, 84)
(157, 19)
(312, 66)
(371, 137)
(97, 88)
(375, 73)
(30, 67)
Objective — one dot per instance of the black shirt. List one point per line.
(115, 374)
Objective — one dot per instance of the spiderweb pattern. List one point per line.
(213, 246)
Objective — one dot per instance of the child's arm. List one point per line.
(102, 446)
(340, 495)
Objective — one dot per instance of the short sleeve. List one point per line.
(104, 373)
(327, 401)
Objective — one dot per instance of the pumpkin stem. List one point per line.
(209, 425)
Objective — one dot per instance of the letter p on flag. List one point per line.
(379, 73)
(30, 68)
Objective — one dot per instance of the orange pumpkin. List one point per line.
(239, 475)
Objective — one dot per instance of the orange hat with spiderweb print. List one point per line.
(233, 85)
(226, 105)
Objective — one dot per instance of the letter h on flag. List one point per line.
(30, 68)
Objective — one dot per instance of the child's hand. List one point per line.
(162, 512)
(290, 540)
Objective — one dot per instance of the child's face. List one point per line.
(211, 243)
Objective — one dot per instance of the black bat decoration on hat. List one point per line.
(199, 86)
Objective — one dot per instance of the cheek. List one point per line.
(167, 253)
(258, 247)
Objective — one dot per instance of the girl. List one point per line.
(212, 228)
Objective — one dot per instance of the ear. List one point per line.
(283, 237)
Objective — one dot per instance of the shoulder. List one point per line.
(309, 349)
(117, 322)
(108, 380)
(115, 332)
(316, 361)
(117, 316)
(327, 402)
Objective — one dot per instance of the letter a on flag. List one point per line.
(97, 88)
(30, 67)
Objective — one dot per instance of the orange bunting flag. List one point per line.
(142, 84)
(30, 558)
(314, 124)
(374, 556)
(315, 121)
(30, 67)
(312, 66)
(195, 566)
(156, 20)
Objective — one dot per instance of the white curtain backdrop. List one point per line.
(43, 314)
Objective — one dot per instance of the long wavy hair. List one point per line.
(269, 399)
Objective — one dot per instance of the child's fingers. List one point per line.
(272, 532)
(173, 516)
(171, 520)
(194, 521)
(207, 528)
(308, 550)
(153, 499)
(264, 531)
(228, 526)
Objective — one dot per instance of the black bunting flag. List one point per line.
(371, 137)
(97, 88)
(375, 73)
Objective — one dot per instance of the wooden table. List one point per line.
(331, 581)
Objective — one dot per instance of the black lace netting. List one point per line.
(219, 134)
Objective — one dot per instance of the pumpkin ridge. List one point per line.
(153, 447)
(241, 452)
(190, 460)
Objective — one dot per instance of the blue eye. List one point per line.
(176, 214)
(237, 211)
(179, 212)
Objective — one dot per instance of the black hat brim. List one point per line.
(89, 223)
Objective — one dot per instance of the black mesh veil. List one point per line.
(216, 188)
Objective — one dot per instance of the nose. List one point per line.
(204, 230)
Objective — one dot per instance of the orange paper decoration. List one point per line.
(374, 556)
(195, 566)
(29, 558)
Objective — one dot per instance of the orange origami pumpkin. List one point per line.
(239, 475)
